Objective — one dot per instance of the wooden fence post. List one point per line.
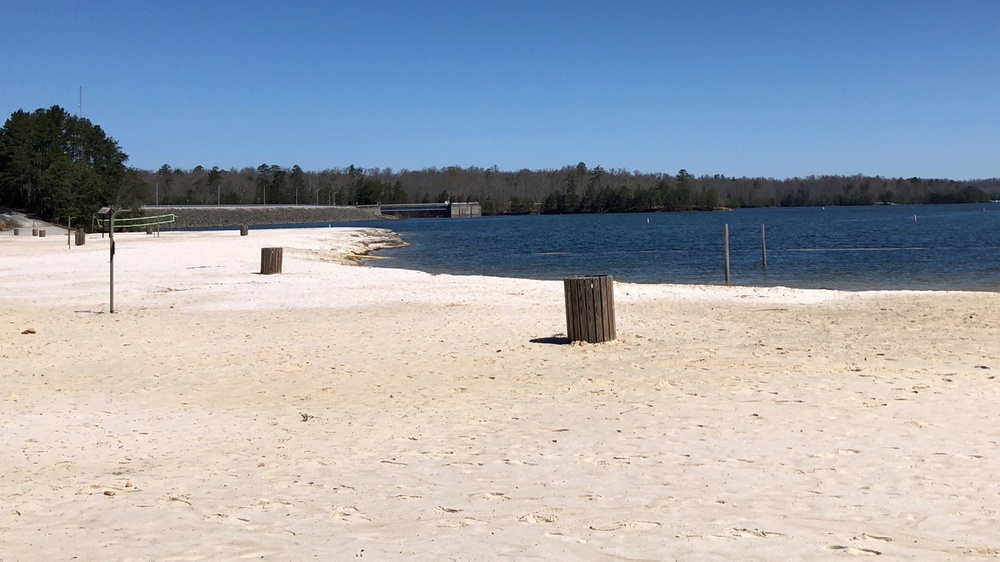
(590, 308)
(270, 260)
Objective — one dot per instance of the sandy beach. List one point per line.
(339, 411)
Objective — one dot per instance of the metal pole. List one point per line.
(763, 246)
(69, 230)
(111, 235)
(725, 233)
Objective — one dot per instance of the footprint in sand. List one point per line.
(755, 533)
(462, 523)
(349, 513)
(608, 527)
(539, 517)
(866, 536)
(854, 551)
(637, 525)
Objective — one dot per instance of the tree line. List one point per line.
(571, 189)
(55, 164)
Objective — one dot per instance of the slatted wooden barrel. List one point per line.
(34, 232)
(244, 230)
(41, 233)
(17, 232)
(590, 308)
(81, 237)
(270, 260)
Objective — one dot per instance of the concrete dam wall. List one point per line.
(209, 216)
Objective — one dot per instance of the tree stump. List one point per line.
(244, 230)
(41, 234)
(270, 260)
(81, 237)
(590, 308)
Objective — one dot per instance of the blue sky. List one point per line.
(740, 88)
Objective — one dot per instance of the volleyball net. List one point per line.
(133, 223)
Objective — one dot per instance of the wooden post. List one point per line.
(590, 308)
(81, 237)
(270, 260)
(244, 230)
(763, 246)
(41, 233)
(725, 234)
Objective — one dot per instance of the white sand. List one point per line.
(723, 424)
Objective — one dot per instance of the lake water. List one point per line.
(852, 248)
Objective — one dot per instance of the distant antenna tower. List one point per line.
(79, 106)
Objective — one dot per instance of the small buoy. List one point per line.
(647, 221)
(914, 218)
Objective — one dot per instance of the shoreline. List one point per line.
(221, 413)
(228, 264)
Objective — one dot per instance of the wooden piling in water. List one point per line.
(270, 260)
(725, 246)
(763, 246)
(590, 308)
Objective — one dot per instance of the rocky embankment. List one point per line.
(188, 217)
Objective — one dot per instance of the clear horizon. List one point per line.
(769, 89)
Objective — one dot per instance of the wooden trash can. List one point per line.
(244, 230)
(270, 260)
(17, 232)
(149, 230)
(34, 232)
(590, 308)
(41, 233)
(81, 237)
